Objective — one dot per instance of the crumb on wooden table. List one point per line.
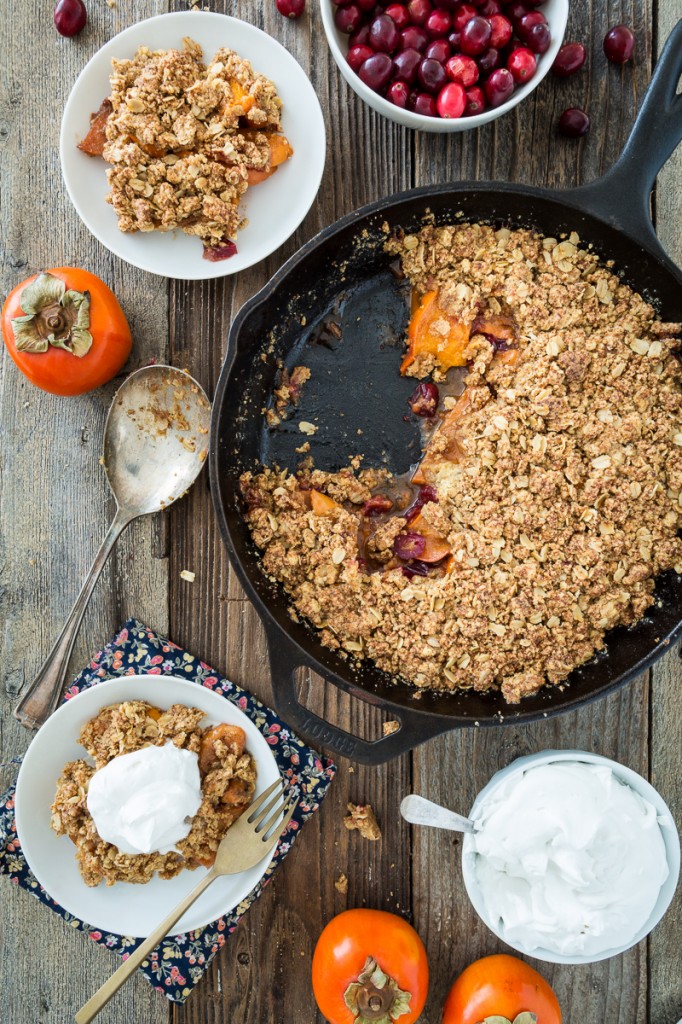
(362, 818)
(341, 884)
(187, 575)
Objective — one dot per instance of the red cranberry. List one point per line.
(489, 61)
(501, 31)
(366, 5)
(476, 36)
(398, 12)
(438, 23)
(462, 69)
(446, 5)
(398, 93)
(357, 55)
(414, 38)
(516, 10)
(383, 34)
(464, 13)
(439, 50)
(292, 8)
(499, 87)
(377, 505)
(409, 545)
(538, 38)
(525, 24)
(619, 44)
(342, 3)
(70, 17)
(569, 59)
(451, 100)
(424, 496)
(419, 11)
(522, 64)
(490, 8)
(432, 75)
(475, 102)
(348, 19)
(424, 399)
(405, 65)
(455, 39)
(360, 37)
(425, 105)
(574, 123)
(376, 71)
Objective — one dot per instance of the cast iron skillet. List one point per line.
(358, 400)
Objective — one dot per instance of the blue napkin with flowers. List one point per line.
(179, 963)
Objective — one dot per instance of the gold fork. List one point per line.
(247, 842)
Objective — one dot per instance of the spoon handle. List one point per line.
(42, 696)
(419, 811)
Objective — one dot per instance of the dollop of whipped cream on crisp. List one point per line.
(569, 859)
(143, 802)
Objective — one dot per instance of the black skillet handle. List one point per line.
(415, 728)
(622, 195)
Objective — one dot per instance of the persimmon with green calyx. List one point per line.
(66, 331)
(369, 967)
(501, 989)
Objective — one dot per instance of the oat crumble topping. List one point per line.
(556, 479)
(228, 781)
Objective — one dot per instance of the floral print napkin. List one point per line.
(176, 966)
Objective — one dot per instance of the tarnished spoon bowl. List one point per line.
(155, 438)
(155, 443)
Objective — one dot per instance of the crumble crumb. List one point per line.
(362, 818)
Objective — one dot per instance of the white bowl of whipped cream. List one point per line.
(575, 857)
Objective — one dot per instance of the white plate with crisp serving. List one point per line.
(275, 208)
(125, 908)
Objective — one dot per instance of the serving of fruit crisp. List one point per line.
(548, 495)
(185, 140)
(160, 796)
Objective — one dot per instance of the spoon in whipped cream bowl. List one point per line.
(419, 811)
(155, 444)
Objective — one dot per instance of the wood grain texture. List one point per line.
(55, 504)
(50, 446)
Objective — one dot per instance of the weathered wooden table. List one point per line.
(54, 505)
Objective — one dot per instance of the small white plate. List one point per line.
(275, 208)
(124, 908)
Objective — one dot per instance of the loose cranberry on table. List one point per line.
(499, 87)
(475, 101)
(357, 55)
(398, 93)
(376, 72)
(500, 31)
(619, 44)
(414, 38)
(569, 59)
(70, 17)
(384, 36)
(405, 65)
(574, 123)
(522, 64)
(292, 8)
(438, 50)
(462, 69)
(475, 36)
(451, 101)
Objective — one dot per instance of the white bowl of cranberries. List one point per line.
(444, 65)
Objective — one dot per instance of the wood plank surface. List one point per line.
(51, 523)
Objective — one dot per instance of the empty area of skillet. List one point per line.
(345, 276)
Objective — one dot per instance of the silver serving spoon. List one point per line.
(155, 443)
(419, 811)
